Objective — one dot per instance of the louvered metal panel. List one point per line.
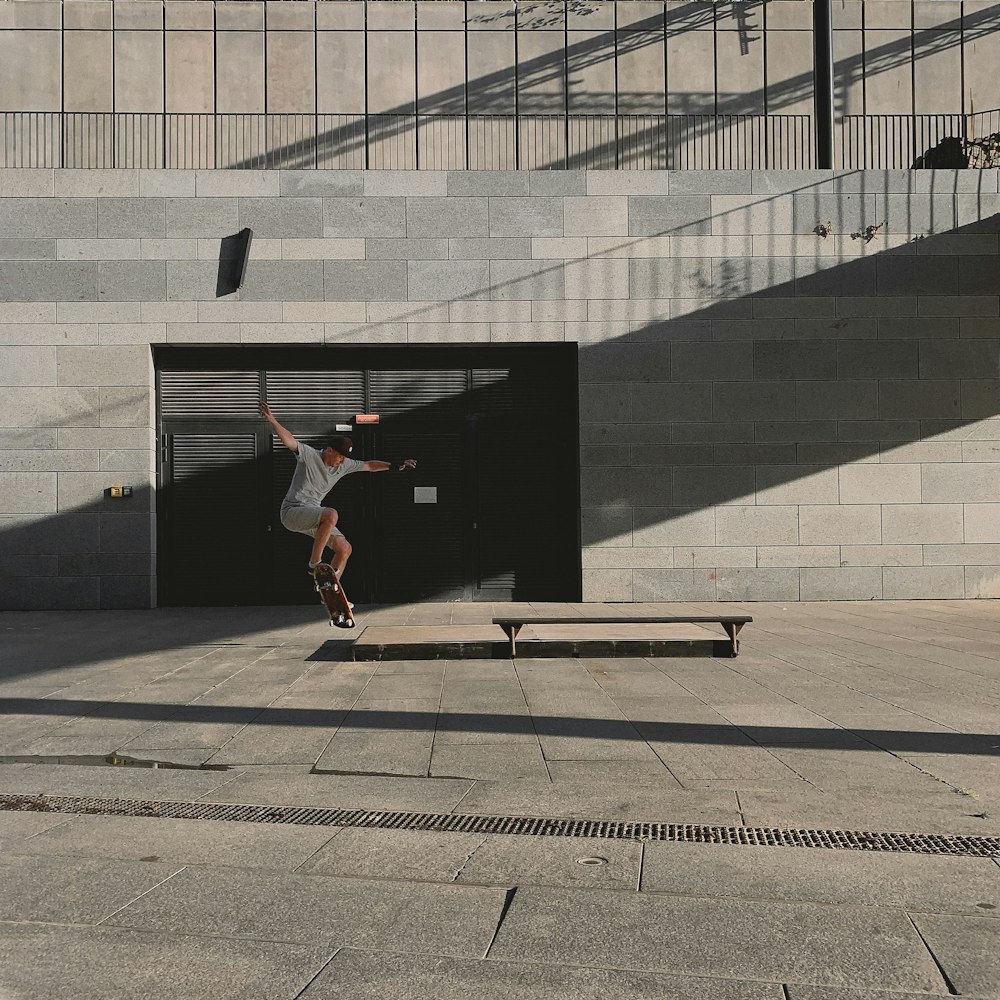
(418, 393)
(214, 518)
(336, 395)
(200, 395)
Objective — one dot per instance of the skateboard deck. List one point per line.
(331, 593)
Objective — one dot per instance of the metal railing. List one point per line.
(477, 142)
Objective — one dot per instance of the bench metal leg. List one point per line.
(733, 630)
(511, 633)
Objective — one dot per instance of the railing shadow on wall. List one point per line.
(749, 403)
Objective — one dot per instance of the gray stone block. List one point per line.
(125, 532)
(488, 183)
(878, 306)
(278, 218)
(132, 281)
(126, 591)
(606, 526)
(515, 279)
(597, 278)
(831, 524)
(201, 217)
(856, 277)
(126, 406)
(807, 307)
(960, 483)
(616, 362)
(979, 398)
(28, 492)
(798, 555)
(851, 583)
(774, 359)
(917, 275)
(874, 483)
(548, 183)
(958, 305)
(745, 525)
(51, 406)
(708, 486)
(966, 359)
(880, 555)
(364, 217)
(886, 359)
(754, 401)
(712, 362)
(405, 183)
(982, 582)
(404, 249)
(279, 280)
(40, 217)
(692, 182)
(752, 584)
(194, 280)
(48, 281)
(26, 182)
(907, 583)
(241, 16)
(351, 281)
(23, 249)
(167, 183)
(596, 216)
(131, 218)
(510, 248)
(915, 216)
(670, 278)
(538, 216)
(978, 276)
(447, 217)
(923, 398)
(604, 402)
(685, 401)
(119, 365)
(49, 535)
(27, 365)
(673, 526)
(657, 585)
(797, 484)
(687, 215)
(840, 400)
(321, 183)
(620, 487)
(615, 182)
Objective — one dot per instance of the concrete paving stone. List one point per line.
(336, 791)
(16, 828)
(374, 976)
(418, 856)
(179, 841)
(112, 782)
(968, 949)
(717, 937)
(48, 963)
(378, 753)
(73, 890)
(497, 761)
(631, 772)
(936, 809)
(857, 878)
(610, 800)
(367, 913)
(796, 992)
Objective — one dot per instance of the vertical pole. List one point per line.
(823, 81)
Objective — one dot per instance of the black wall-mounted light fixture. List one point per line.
(234, 255)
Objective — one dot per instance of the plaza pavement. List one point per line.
(878, 716)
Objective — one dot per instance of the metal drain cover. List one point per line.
(687, 833)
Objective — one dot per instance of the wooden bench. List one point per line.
(512, 624)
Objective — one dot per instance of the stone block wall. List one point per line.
(766, 413)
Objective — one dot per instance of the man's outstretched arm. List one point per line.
(377, 466)
(285, 436)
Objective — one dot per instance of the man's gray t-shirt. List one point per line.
(313, 479)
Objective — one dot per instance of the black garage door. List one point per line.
(492, 512)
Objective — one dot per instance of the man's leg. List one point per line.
(341, 553)
(327, 522)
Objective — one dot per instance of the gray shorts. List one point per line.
(305, 520)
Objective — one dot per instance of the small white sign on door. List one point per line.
(425, 494)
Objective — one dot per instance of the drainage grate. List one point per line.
(914, 843)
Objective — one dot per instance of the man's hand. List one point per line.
(265, 412)
(408, 464)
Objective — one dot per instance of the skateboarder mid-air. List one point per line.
(316, 473)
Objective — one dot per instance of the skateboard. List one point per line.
(331, 593)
